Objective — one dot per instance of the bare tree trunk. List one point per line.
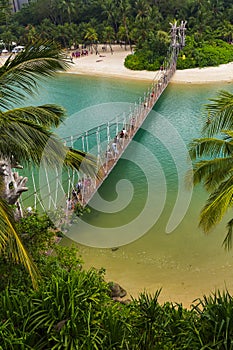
(13, 184)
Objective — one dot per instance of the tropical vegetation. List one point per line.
(26, 135)
(73, 308)
(142, 25)
(212, 156)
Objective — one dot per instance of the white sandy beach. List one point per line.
(112, 65)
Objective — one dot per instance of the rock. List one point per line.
(116, 291)
(114, 249)
(122, 301)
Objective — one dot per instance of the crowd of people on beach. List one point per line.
(85, 51)
(77, 54)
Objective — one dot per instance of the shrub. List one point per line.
(64, 311)
(203, 54)
(206, 55)
(215, 321)
(134, 62)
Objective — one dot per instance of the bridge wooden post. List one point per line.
(56, 192)
(35, 192)
(98, 148)
(83, 143)
(87, 144)
(108, 133)
(117, 125)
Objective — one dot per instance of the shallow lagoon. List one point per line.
(135, 213)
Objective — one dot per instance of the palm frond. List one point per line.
(27, 141)
(228, 135)
(81, 161)
(210, 147)
(217, 205)
(48, 115)
(220, 114)
(9, 236)
(25, 137)
(227, 243)
(19, 75)
(215, 168)
(212, 172)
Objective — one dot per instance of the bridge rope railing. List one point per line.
(106, 142)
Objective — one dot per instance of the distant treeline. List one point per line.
(142, 25)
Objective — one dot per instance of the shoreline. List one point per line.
(111, 65)
(207, 75)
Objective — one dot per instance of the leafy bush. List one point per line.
(202, 54)
(134, 62)
(165, 326)
(140, 61)
(73, 310)
(40, 238)
(150, 54)
(215, 321)
(206, 55)
(62, 314)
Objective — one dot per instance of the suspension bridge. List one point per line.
(107, 142)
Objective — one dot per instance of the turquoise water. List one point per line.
(143, 208)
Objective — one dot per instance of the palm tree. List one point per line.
(110, 10)
(5, 12)
(67, 7)
(225, 31)
(213, 163)
(108, 36)
(25, 132)
(125, 10)
(143, 9)
(92, 36)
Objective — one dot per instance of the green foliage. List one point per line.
(215, 321)
(195, 54)
(149, 55)
(62, 314)
(67, 257)
(37, 236)
(165, 326)
(79, 210)
(143, 61)
(73, 310)
(144, 24)
(118, 328)
(37, 232)
(134, 62)
(40, 238)
(207, 54)
(212, 163)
